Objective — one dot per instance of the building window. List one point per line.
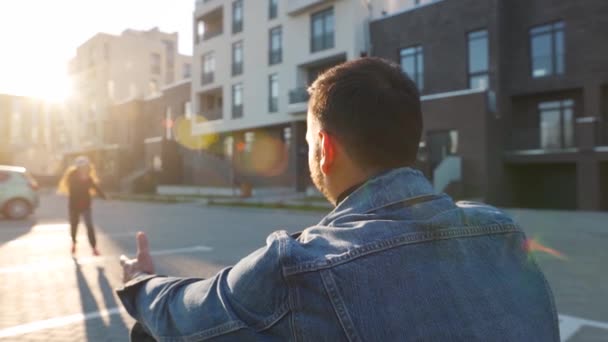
(155, 63)
(237, 101)
(412, 63)
(275, 53)
(153, 87)
(187, 70)
(556, 124)
(237, 58)
(273, 93)
(478, 59)
(273, 8)
(440, 145)
(237, 16)
(547, 49)
(249, 141)
(188, 110)
(106, 51)
(322, 30)
(111, 90)
(208, 68)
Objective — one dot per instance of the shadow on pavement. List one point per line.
(96, 329)
(13, 229)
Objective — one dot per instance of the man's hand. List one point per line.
(142, 262)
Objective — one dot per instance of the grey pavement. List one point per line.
(45, 295)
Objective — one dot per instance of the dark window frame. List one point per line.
(328, 40)
(561, 105)
(237, 26)
(418, 54)
(207, 77)
(273, 9)
(275, 56)
(273, 102)
(552, 29)
(237, 110)
(237, 68)
(485, 72)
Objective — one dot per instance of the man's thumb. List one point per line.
(142, 243)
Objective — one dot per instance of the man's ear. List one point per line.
(328, 151)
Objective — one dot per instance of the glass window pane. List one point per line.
(559, 42)
(541, 45)
(329, 22)
(478, 81)
(550, 133)
(568, 118)
(478, 55)
(549, 105)
(420, 70)
(408, 65)
(542, 63)
(317, 27)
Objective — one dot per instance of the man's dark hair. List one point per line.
(373, 108)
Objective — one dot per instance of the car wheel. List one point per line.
(17, 209)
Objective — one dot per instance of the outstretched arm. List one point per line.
(239, 300)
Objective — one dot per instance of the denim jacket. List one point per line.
(392, 262)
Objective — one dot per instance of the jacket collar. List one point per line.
(388, 188)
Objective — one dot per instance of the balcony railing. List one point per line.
(207, 78)
(298, 95)
(210, 34)
(275, 56)
(584, 134)
(237, 111)
(533, 138)
(237, 69)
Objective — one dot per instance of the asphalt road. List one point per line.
(47, 296)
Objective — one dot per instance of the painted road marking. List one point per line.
(569, 325)
(57, 322)
(64, 262)
(41, 239)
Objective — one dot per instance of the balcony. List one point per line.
(583, 135)
(207, 78)
(210, 104)
(295, 7)
(210, 25)
(298, 100)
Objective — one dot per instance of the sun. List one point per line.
(53, 87)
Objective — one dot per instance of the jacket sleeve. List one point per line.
(239, 300)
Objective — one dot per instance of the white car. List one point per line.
(18, 192)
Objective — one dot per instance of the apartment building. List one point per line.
(110, 69)
(33, 133)
(253, 61)
(515, 96)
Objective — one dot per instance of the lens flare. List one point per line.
(182, 128)
(532, 245)
(267, 156)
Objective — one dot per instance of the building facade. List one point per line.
(33, 133)
(142, 136)
(517, 90)
(110, 69)
(252, 64)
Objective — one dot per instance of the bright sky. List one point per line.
(38, 37)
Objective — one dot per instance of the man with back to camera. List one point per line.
(392, 262)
